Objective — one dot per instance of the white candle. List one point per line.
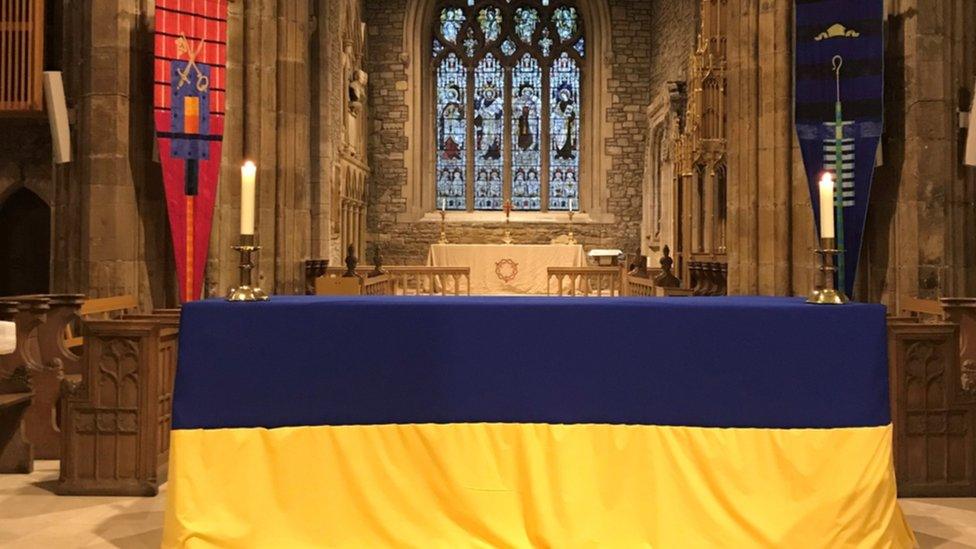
(248, 175)
(443, 204)
(827, 206)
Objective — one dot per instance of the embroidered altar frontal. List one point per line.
(532, 422)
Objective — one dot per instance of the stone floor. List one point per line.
(31, 517)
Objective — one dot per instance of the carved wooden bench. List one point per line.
(116, 420)
(16, 452)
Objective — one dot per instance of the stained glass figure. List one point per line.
(580, 47)
(526, 21)
(490, 20)
(452, 19)
(526, 131)
(567, 22)
(489, 133)
(451, 133)
(545, 42)
(564, 116)
(470, 43)
(508, 47)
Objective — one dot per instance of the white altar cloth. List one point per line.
(8, 338)
(507, 269)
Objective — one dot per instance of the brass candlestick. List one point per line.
(826, 294)
(245, 292)
(507, 238)
(572, 237)
(443, 239)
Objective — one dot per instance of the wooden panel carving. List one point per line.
(935, 447)
(116, 422)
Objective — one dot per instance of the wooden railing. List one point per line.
(419, 280)
(585, 281)
(21, 55)
(640, 286)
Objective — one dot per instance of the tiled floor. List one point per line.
(31, 517)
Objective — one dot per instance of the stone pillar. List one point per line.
(114, 201)
(292, 201)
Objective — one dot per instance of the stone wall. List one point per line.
(632, 35)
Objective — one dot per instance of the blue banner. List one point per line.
(840, 110)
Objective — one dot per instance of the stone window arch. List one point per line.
(589, 48)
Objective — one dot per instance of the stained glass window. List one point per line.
(451, 133)
(490, 20)
(451, 21)
(507, 97)
(564, 116)
(526, 21)
(489, 133)
(526, 130)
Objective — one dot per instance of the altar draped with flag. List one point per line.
(532, 422)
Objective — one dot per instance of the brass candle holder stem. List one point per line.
(443, 238)
(572, 236)
(507, 239)
(827, 294)
(246, 292)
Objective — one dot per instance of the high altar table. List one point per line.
(507, 268)
(532, 422)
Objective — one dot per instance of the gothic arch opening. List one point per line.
(25, 244)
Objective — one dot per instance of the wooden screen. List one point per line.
(21, 55)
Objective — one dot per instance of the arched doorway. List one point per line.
(25, 244)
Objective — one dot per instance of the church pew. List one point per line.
(16, 451)
(354, 285)
(116, 421)
(640, 286)
(104, 307)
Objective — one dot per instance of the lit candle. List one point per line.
(827, 206)
(248, 175)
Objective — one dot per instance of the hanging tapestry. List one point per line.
(190, 82)
(840, 110)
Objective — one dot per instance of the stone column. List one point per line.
(292, 202)
(114, 192)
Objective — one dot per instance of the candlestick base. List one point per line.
(827, 296)
(825, 293)
(246, 292)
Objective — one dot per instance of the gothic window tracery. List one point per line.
(507, 99)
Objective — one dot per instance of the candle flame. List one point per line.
(249, 169)
(827, 179)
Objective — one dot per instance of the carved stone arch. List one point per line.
(597, 72)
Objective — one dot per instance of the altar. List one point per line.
(506, 269)
(532, 422)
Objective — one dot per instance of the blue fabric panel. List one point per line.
(709, 362)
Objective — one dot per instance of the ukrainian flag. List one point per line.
(524, 422)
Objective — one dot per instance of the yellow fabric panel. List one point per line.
(531, 485)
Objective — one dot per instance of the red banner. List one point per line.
(189, 91)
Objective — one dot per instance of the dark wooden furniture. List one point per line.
(933, 397)
(116, 421)
(16, 452)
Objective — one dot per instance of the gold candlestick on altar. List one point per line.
(246, 292)
(827, 294)
(507, 239)
(572, 213)
(443, 238)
